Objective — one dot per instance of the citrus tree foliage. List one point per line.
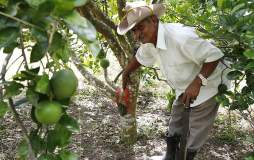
(231, 25)
(41, 30)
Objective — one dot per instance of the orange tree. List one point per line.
(39, 30)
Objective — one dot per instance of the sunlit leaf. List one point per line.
(70, 123)
(42, 85)
(67, 155)
(47, 156)
(35, 3)
(249, 54)
(22, 150)
(3, 2)
(81, 26)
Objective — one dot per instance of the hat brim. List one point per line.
(124, 26)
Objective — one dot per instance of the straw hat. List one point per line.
(136, 12)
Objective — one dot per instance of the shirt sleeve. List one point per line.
(200, 50)
(144, 56)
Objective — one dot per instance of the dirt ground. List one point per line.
(99, 139)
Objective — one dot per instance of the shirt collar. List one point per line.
(161, 43)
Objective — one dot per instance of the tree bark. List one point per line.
(123, 49)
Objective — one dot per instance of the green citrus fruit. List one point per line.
(48, 112)
(64, 84)
(104, 63)
(101, 55)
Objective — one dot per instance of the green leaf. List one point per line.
(81, 26)
(67, 155)
(60, 136)
(52, 141)
(38, 51)
(35, 3)
(42, 85)
(94, 48)
(70, 123)
(32, 96)
(3, 2)
(63, 135)
(27, 74)
(78, 3)
(3, 108)
(9, 49)
(8, 36)
(40, 36)
(249, 54)
(7, 23)
(59, 48)
(233, 75)
(13, 89)
(250, 65)
(13, 8)
(22, 150)
(36, 142)
(63, 7)
(47, 157)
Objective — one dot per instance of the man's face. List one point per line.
(146, 31)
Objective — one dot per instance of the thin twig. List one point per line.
(23, 49)
(118, 75)
(18, 120)
(3, 72)
(157, 75)
(16, 115)
(21, 21)
(110, 83)
(13, 62)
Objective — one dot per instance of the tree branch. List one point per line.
(105, 89)
(121, 5)
(107, 33)
(109, 82)
(23, 49)
(16, 115)
(91, 6)
(3, 72)
(21, 21)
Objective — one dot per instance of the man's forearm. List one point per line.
(131, 67)
(207, 69)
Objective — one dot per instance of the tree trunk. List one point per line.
(123, 48)
(129, 122)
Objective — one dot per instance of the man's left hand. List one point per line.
(192, 91)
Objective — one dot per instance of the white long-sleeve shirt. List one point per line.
(180, 54)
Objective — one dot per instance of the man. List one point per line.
(190, 64)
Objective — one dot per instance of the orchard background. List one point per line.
(44, 39)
